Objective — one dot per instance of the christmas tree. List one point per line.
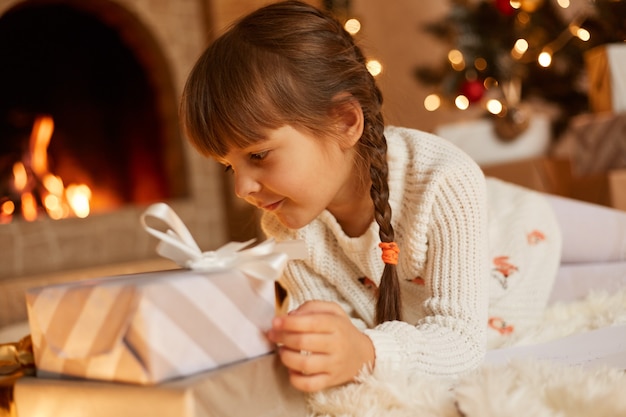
(514, 50)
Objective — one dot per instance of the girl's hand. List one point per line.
(320, 346)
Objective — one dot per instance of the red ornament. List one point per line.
(473, 90)
(504, 7)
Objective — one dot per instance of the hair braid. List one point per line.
(389, 305)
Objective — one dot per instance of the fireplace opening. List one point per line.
(93, 76)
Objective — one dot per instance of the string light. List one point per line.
(563, 3)
(480, 64)
(462, 102)
(456, 59)
(494, 106)
(545, 58)
(432, 102)
(374, 67)
(7, 208)
(581, 33)
(519, 49)
(352, 26)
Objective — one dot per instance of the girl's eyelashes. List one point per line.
(254, 157)
(258, 156)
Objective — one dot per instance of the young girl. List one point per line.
(285, 102)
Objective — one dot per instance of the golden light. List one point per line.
(20, 177)
(523, 18)
(462, 102)
(6, 211)
(53, 184)
(432, 102)
(583, 34)
(52, 202)
(480, 64)
(490, 82)
(563, 3)
(39, 141)
(374, 67)
(78, 197)
(494, 106)
(545, 59)
(352, 26)
(530, 6)
(516, 4)
(456, 59)
(29, 207)
(7, 208)
(54, 206)
(519, 48)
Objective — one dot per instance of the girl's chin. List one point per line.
(292, 222)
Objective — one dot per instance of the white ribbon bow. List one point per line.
(263, 261)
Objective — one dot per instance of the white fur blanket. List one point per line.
(519, 388)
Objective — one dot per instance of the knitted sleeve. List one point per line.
(450, 338)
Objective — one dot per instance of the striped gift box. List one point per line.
(151, 327)
(148, 328)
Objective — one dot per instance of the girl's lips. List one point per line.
(273, 206)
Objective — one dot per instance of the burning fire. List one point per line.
(37, 187)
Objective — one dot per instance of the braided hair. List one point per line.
(290, 63)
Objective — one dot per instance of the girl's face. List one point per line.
(296, 176)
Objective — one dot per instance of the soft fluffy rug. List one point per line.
(524, 387)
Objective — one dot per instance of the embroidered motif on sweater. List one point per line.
(418, 281)
(503, 269)
(535, 237)
(501, 326)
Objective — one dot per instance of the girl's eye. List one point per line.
(258, 156)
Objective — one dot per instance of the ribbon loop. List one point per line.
(263, 261)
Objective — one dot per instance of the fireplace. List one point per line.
(106, 77)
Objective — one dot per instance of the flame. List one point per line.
(39, 141)
(79, 196)
(29, 207)
(20, 176)
(57, 200)
(6, 211)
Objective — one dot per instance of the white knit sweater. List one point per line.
(466, 266)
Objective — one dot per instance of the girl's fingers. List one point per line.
(304, 362)
(312, 320)
(308, 383)
(318, 307)
(308, 342)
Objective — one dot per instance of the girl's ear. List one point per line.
(349, 118)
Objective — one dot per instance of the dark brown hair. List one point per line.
(286, 64)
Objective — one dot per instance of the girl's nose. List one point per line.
(245, 185)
